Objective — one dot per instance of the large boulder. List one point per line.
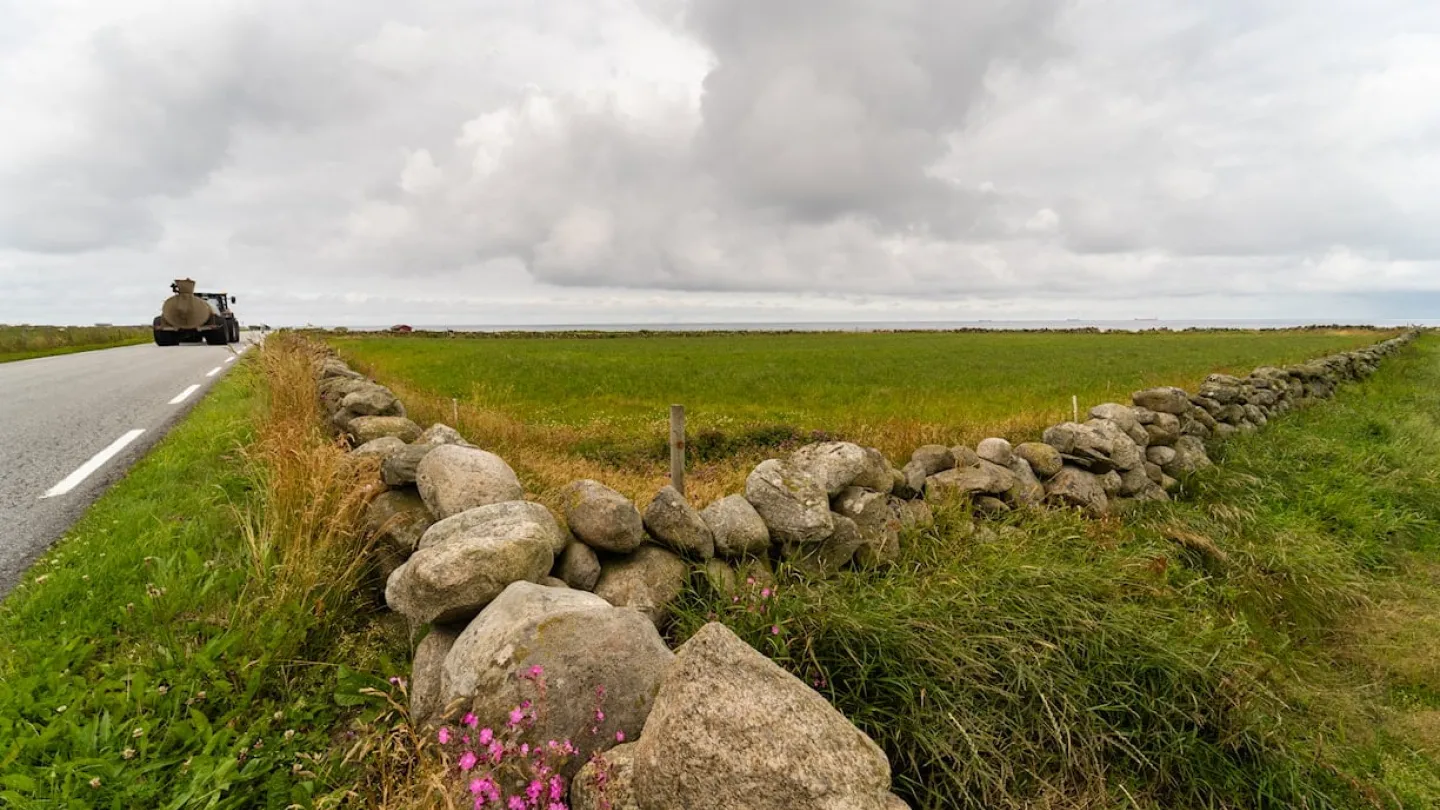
(1190, 456)
(381, 448)
(401, 467)
(511, 518)
(602, 518)
(675, 524)
(427, 674)
(831, 554)
(1124, 418)
(731, 730)
(737, 528)
(578, 566)
(1164, 430)
(438, 434)
(878, 524)
(453, 479)
(1028, 491)
(911, 483)
(1082, 445)
(397, 519)
(1125, 454)
(333, 368)
(606, 782)
(1161, 455)
(984, 479)
(366, 429)
(1073, 486)
(1043, 459)
(649, 581)
(794, 506)
(995, 451)
(965, 456)
(372, 400)
(334, 390)
(463, 564)
(1163, 400)
(837, 465)
(582, 646)
(932, 459)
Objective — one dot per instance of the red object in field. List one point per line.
(402, 328)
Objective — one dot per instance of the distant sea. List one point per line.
(1136, 325)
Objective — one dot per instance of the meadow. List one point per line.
(27, 342)
(207, 635)
(565, 407)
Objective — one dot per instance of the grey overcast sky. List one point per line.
(592, 161)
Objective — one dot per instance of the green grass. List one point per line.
(28, 342)
(1059, 662)
(560, 408)
(141, 665)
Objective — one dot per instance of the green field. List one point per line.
(574, 405)
(27, 342)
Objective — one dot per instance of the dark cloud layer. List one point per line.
(605, 160)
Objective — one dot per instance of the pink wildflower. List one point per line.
(536, 671)
(496, 751)
(444, 735)
(599, 716)
(765, 593)
(749, 580)
(534, 789)
(468, 760)
(486, 735)
(774, 629)
(470, 720)
(516, 803)
(557, 788)
(619, 736)
(517, 716)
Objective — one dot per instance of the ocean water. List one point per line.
(1136, 325)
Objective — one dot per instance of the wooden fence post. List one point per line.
(677, 448)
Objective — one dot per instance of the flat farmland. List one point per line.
(560, 407)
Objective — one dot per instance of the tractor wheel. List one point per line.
(217, 337)
(166, 338)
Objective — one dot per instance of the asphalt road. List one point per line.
(71, 425)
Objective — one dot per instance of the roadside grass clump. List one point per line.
(305, 543)
(1207, 653)
(27, 342)
(565, 407)
(169, 651)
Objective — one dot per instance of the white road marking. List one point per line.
(212, 372)
(183, 394)
(229, 359)
(73, 479)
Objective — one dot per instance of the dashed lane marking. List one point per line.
(212, 372)
(181, 397)
(96, 462)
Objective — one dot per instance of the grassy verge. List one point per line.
(168, 652)
(1269, 642)
(29, 342)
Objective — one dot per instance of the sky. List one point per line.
(511, 162)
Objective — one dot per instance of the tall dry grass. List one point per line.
(303, 532)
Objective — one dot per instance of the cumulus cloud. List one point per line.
(921, 156)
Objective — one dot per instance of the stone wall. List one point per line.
(506, 586)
